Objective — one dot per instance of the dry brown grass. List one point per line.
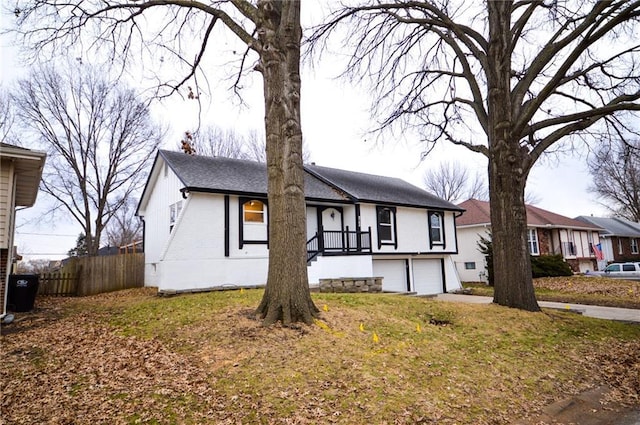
(131, 357)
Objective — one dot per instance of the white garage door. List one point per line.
(394, 274)
(427, 277)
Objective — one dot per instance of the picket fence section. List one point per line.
(94, 275)
(58, 283)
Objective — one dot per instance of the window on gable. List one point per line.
(174, 213)
(436, 228)
(253, 211)
(386, 226)
(532, 241)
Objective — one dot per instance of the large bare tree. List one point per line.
(452, 182)
(216, 141)
(505, 79)
(125, 228)
(7, 118)
(615, 170)
(99, 138)
(185, 31)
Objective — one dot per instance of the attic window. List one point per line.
(253, 211)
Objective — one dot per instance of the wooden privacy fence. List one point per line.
(95, 275)
(58, 283)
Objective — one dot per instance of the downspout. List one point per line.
(10, 253)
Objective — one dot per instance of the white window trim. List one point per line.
(534, 233)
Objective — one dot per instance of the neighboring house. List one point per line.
(20, 174)
(548, 233)
(619, 239)
(206, 225)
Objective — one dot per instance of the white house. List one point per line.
(548, 233)
(206, 225)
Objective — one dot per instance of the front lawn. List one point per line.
(131, 357)
(578, 289)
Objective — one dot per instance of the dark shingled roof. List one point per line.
(237, 176)
(614, 226)
(379, 189)
(226, 175)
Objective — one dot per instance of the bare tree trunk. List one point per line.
(287, 297)
(508, 169)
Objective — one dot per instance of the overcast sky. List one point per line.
(335, 123)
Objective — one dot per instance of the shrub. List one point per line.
(549, 266)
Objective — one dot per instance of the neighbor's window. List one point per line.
(435, 228)
(532, 240)
(634, 246)
(386, 225)
(470, 265)
(253, 211)
(620, 246)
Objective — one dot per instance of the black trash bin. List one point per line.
(22, 292)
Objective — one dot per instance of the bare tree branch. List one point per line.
(99, 140)
(615, 170)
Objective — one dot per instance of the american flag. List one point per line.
(598, 250)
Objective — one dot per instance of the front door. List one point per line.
(331, 224)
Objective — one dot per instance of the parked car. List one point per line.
(619, 271)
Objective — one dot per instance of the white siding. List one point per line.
(412, 230)
(327, 267)
(312, 221)
(195, 254)
(6, 202)
(165, 191)
(468, 238)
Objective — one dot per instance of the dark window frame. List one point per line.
(392, 226)
(443, 241)
(241, 240)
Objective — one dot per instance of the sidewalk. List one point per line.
(609, 313)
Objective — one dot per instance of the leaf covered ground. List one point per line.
(131, 357)
(579, 289)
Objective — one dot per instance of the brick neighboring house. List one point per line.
(20, 173)
(548, 233)
(619, 239)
